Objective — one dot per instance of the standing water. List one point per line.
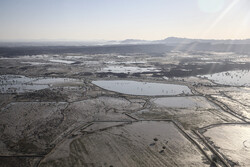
(142, 88)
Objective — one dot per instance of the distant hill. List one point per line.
(178, 41)
(171, 41)
(175, 40)
(127, 46)
(135, 41)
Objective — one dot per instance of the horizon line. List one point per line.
(110, 40)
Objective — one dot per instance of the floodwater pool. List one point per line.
(21, 84)
(233, 78)
(142, 88)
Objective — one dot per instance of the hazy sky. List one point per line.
(123, 19)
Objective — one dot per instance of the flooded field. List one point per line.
(22, 84)
(124, 83)
(56, 81)
(134, 109)
(232, 141)
(182, 102)
(35, 63)
(143, 88)
(233, 78)
(124, 69)
(18, 84)
(193, 112)
(62, 61)
(146, 143)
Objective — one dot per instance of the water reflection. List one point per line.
(142, 88)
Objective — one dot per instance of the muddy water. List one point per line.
(142, 88)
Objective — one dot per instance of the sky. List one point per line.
(84, 20)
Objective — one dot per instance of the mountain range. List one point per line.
(170, 41)
(178, 41)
